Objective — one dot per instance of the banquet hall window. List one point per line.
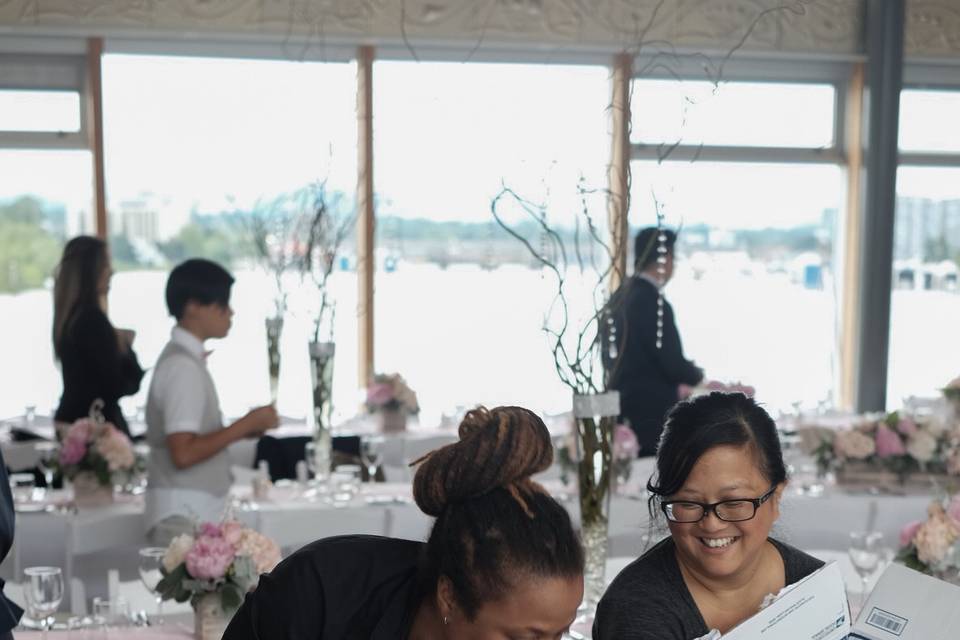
(195, 148)
(755, 278)
(459, 304)
(45, 197)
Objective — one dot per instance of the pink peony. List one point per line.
(211, 530)
(210, 557)
(115, 448)
(625, 445)
(379, 394)
(888, 442)
(908, 531)
(907, 427)
(72, 451)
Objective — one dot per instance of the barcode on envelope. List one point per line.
(887, 621)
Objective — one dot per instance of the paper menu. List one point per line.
(814, 608)
(908, 605)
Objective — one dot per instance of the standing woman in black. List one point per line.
(96, 360)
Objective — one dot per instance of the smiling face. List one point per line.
(535, 608)
(713, 548)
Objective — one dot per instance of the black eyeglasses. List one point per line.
(738, 510)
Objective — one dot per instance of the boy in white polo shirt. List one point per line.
(189, 469)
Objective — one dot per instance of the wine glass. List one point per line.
(46, 460)
(371, 448)
(43, 593)
(151, 562)
(865, 551)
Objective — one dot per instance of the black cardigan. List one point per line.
(94, 366)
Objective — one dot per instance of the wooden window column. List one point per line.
(93, 95)
(618, 201)
(365, 214)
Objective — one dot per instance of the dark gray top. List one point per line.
(649, 600)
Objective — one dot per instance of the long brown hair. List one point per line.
(75, 281)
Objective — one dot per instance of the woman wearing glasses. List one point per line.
(720, 476)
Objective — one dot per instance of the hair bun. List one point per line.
(497, 448)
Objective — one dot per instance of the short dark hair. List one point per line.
(645, 246)
(695, 426)
(492, 522)
(197, 280)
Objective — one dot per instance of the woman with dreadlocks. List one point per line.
(502, 560)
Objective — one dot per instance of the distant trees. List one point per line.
(29, 250)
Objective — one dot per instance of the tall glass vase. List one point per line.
(321, 379)
(595, 416)
(274, 330)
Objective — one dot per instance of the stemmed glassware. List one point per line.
(43, 594)
(151, 562)
(371, 451)
(47, 458)
(866, 552)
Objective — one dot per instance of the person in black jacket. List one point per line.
(502, 559)
(9, 612)
(646, 375)
(96, 360)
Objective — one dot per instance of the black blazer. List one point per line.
(93, 366)
(646, 377)
(9, 612)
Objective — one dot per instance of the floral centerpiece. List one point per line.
(933, 546)
(91, 455)
(213, 569)
(391, 397)
(898, 443)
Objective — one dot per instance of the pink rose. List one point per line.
(210, 558)
(232, 532)
(908, 531)
(888, 442)
(211, 530)
(907, 427)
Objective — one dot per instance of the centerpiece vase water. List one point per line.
(321, 379)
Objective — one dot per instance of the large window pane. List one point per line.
(39, 110)
(754, 286)
(195, 147)
(459, 306)
(924, 341)
(732, 113)
(928, 121)
(45, 197)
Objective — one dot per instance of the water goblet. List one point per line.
(47, 460)
(43, 592)
(371, 451)
(151, 563)
(22, 486)
(865, 551)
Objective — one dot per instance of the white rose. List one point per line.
(854, 444)
(177, 551)
(922, 446)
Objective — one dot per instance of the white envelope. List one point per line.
(814, 608)
(908, 605)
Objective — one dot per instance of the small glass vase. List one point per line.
(595, 417)
(274, 328)
(393, 420)
(88, 493)
(209, 619)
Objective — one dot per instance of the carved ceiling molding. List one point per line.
(819, 26)
(933, 28)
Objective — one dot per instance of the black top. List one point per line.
(646, 377)
(348, 587)
(649, 600)
(93, 366)
(9, 612)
